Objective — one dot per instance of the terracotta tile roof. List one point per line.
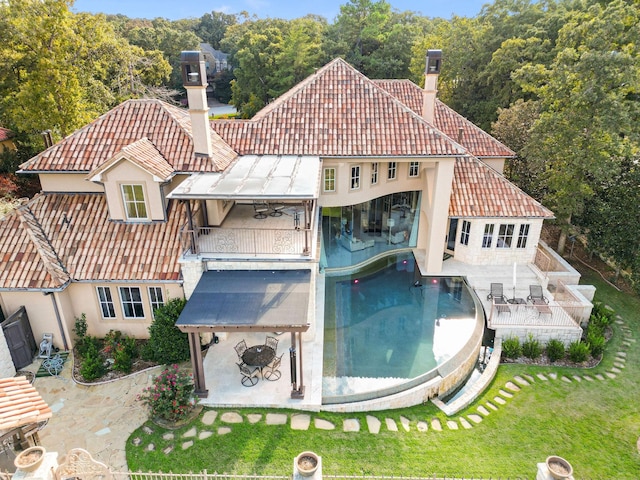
(88, 247)
(142, 153)
(476, 140)
(166, 126)
(20, 404)
(336, 112)
(479, 191)
(28, 259)
(5, 134)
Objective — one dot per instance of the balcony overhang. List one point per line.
(254, 177)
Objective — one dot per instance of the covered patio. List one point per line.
(250, 305)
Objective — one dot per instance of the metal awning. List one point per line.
(242, 300)
(253, 177)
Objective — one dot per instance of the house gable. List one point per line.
(137, 164)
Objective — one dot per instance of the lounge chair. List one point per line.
(249, 376)
(535, 295)
(496, 292)
(501, 305)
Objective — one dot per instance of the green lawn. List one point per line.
(594, 425)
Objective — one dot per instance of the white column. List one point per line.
(435, 207)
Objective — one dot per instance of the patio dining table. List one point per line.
(258, 356)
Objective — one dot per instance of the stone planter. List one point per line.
(559, 468)
(307, 463)
(30, 459)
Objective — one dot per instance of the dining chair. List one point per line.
(496, 291)
(240, 348)
(271, 372)
(249, 376)
(272, 342)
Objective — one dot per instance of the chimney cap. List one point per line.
(434, 61)
(193, 69)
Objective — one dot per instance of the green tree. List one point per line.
(513, 128)
(59, 70)
(211, 27)
(373, 38)
(589, 105)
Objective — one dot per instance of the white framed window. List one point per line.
(135, 207)
(392, 170)
(523, 236)
(355, 177)
(131, 300)
(106, 302)
(414, 169)
(487, 239)
(505, 235)
(329, 179)
(156, 298)
(464, 233)
(374, 173)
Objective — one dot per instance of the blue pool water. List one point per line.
(389, 323)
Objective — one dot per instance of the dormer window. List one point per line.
(135, 206)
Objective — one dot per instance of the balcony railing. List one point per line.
(246, 241)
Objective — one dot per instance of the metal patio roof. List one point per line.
(257, 176)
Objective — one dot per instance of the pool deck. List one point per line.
(222, 375)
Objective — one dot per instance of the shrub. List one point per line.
(578, 351)
(167, 344)
(80, 326)
(123, 355)
(88, 343)
(92, 365)
(595, 341)
(555, 349)
(511, 347)
(531, 348)
(171, 395)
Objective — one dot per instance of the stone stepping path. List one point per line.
(305, 421)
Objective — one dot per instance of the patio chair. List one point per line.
(536, 296)
(276, 209)
(240, 348)
(496, 292)
(261, 209)
(272, 342)
(271, 372)
(249, 376)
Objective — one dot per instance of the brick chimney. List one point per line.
(194, 78)
(434, 60)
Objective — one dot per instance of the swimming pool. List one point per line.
(387, 326)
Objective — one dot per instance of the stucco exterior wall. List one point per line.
(81, 298)
(475, 254)
(344, 195)
(68, 183)
(90, 306)
(7, 369)
(39, 310)
(126, 173)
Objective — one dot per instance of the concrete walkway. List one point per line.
(101, 418)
